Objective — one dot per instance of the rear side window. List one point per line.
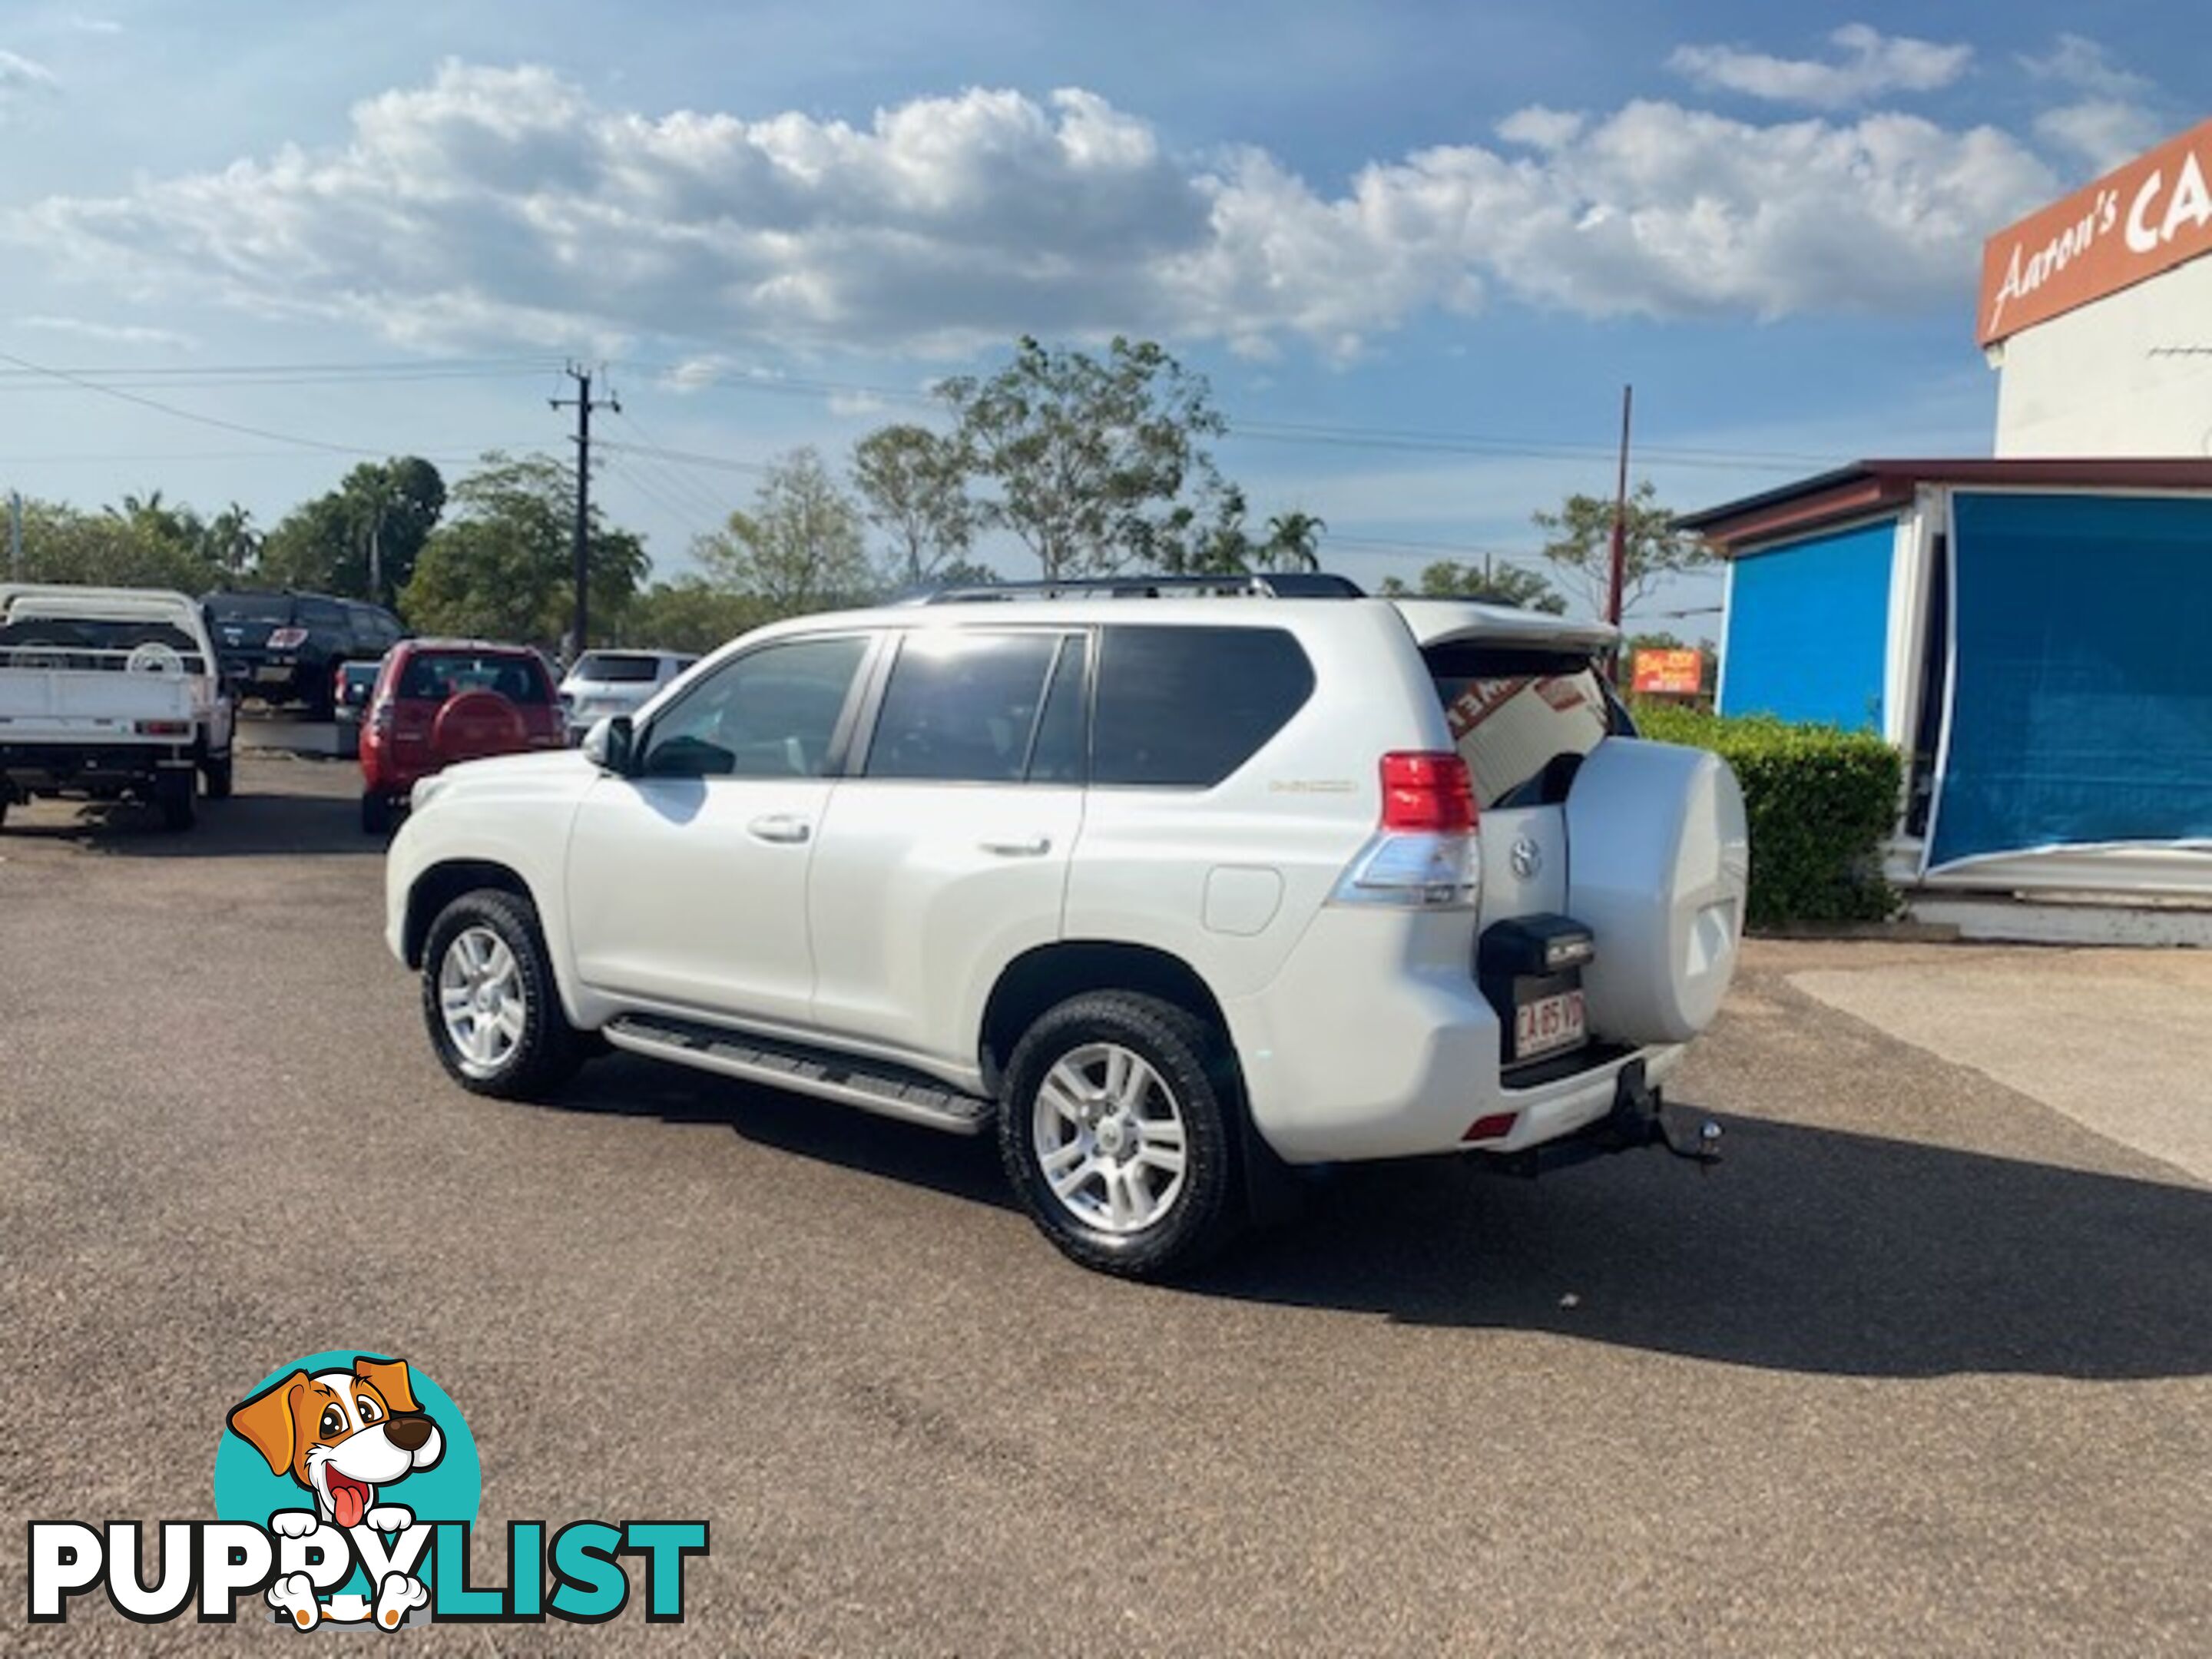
(273, 608)
(435, 676)
(962, 707)
(1521, 721)
(320, 613)
(1184, 707)
(611, 668)
(373, 628)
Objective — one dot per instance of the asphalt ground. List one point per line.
(1922, 1368)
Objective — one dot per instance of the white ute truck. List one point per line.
(109, 693)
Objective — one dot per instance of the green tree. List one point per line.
(232, 544)
(122, 547)
(913, 487)
(1294, 540)
(378, 518)
(1088, 460)
(690, 614)
(502, 566)
(1581, 545)
(798, 549)
(1491, 582)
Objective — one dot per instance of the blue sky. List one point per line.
(1445, 233)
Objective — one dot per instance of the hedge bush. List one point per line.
(1821, 801)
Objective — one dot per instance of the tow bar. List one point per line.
(1638, 1118)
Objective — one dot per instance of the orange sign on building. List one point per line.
(2148, 216)
(1667, 673)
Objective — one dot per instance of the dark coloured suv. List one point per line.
(286, 647)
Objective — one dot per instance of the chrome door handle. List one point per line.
(780, 827)
(1027, 846)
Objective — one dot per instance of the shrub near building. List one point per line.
(1820, 801)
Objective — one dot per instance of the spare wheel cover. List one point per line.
(1659, 856)
(473, 724)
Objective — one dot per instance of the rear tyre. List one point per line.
(375, 813)
(1117, 1128)
(174, 798)
(217, 776)
(489, 1000)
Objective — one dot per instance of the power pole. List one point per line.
(1619, 528)
(15, 534)
(582, 404)
(376, 557)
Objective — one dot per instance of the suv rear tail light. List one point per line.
(1424, 852)
(287, 639)
(1423, 790)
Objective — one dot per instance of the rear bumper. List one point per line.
(89, 766)
(1375, 1041)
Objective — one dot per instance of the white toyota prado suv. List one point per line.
(1175, 883)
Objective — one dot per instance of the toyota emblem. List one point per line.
(1528, 858)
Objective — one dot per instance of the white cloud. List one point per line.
(112, 333)
(505, 204)
(21, 78)
(1542, 129)
(2102, 131)
(2076, 60)
(2115, 116)
(85, 24)
(1871, 64)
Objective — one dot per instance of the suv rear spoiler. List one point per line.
(1440, 622)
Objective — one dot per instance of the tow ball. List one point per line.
(1640, 1118)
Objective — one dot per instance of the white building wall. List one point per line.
(2093, 382)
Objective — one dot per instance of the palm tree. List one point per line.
(1294, 539)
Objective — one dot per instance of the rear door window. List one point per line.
(435, 676)
(961, 707)
(275, 609)
(616, 668)
(1184, 707)
(1521, 721)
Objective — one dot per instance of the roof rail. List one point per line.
(1262, 585)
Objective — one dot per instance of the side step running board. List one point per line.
(888, 1090)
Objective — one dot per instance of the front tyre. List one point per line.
(489, 1000)
(1117, 1129)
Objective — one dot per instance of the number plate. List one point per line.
(1544, 1025)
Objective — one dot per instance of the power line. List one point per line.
(291, 374)
(1315, 434)
(189, 415)
(686, 519)
(682, 483)
(119, 381)
(689, 457)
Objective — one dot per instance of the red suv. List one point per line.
(438, 702)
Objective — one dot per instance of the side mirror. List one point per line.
(607, 744)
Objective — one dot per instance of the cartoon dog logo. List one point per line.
(345, 1436)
